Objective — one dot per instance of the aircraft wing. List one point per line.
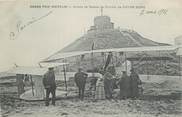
(130, 49)
(51, 64)
(33, 70)
(28, 70)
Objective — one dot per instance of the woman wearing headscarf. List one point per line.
(135, 82)
(125, 86)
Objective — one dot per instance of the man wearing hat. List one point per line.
(80, 80)
(50, 85)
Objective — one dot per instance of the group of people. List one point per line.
(129, 85)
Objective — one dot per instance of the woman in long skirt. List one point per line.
(100, 93)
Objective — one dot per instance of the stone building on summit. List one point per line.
(101, 23)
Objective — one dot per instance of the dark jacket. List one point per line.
(80, 79)
(49, 80)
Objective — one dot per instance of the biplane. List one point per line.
(36, 73)
(130, 54)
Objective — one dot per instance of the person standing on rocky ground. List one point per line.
(50, 86)
(108, 84)
(125, 86)
(80, 80)
(135, 82)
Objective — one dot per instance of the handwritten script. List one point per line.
(20, 26)
(153, 12)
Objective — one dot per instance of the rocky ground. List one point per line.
(103, 108)
(162, 99)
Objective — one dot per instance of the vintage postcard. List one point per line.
(85, 58)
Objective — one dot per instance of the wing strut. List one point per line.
(64, 69)
(32, 85)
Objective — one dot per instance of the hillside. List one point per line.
(113, 38)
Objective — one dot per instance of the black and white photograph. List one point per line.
(90, 58)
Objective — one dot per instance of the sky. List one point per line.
(28, 35)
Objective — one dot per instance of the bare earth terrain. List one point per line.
(104, 108)
(160, 99)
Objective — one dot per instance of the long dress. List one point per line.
(100, 93)
(125, 87)
(135, 82)
(108, 85)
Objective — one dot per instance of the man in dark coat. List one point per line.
(135, 81)
(108, 85)
(50, 85)
(125, 86)
(80, 80)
